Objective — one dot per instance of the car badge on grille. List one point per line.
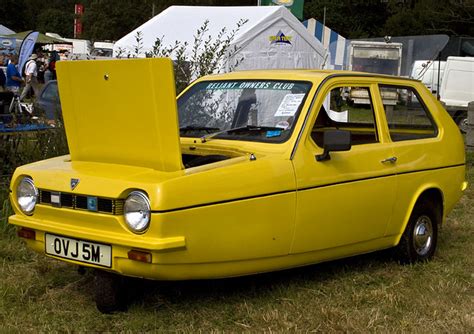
(74, 183)
(92, 203)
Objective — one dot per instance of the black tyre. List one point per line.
(110, 292)
(461, 121)
(418, 242)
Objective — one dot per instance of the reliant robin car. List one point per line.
(245, 172)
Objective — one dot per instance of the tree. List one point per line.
(110, 20)
(52, 16)
(56, 20)
(12, 15)
(207, 54)
(350, 18)
(426, 17)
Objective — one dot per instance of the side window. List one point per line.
(347, 108)
(407, 116)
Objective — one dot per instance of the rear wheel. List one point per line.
(461, 121)
(110, 292)
(418, 242)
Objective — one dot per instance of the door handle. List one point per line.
(392, 160)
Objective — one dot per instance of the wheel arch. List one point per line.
(430, 192)
(433, 195)
(458, 113)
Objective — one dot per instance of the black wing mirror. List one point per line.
(334, 140)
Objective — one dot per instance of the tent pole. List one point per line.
(324, 24)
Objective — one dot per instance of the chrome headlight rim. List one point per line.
(35, 195)
(143, 196)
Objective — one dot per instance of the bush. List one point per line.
(208, 55)
(25, 147)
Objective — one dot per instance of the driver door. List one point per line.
(349, 198)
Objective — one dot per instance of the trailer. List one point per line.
(375, 57)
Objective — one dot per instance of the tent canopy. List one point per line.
(5, 31)
(42, 38)
(180, 23)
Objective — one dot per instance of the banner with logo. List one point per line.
(295, 6)
(26, 49)
(7, 45)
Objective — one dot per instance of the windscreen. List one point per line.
(257, 110)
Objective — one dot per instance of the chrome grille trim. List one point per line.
(105, 205)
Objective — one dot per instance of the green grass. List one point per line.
(370, 293)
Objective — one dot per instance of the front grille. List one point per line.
(45, 197)
(79, 202)
(67, 200)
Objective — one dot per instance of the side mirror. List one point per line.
(334, 140)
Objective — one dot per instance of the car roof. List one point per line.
(298, 74)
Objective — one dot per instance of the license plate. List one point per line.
(79, 250)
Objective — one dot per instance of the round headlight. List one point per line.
(137, 211)
(26, 195)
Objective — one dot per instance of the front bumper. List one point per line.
(121, 242)
(155, 244)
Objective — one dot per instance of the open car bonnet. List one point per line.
(121, 112)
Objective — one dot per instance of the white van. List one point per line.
(427, 72)
(102, 50)
(457, 88)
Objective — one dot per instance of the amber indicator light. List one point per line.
(139, 256)
(26, 233)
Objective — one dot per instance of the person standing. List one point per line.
(31, 74)
(14, 79)
(7, 59)
(48, 75)
(54, 57)
(3, 79)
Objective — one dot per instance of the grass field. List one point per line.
(370, 293)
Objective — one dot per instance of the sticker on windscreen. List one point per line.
(273, 133)
(282, 125)
(226, 85)
(290, 104)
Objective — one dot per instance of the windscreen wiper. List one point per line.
(208, 129)
(240, 128)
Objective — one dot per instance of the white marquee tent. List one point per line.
(5, 31)
(271, 38)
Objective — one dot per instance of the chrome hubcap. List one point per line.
(463, 125)
(423, 235)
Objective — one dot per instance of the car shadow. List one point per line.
(188, 294)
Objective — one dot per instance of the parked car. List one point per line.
(47, 104)
(248, 172)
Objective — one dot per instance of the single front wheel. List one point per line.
(110, 292)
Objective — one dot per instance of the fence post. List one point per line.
(470, 126)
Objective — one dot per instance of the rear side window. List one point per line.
(407, 116)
